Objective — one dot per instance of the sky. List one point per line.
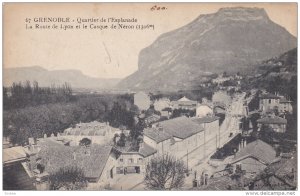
(105, 53)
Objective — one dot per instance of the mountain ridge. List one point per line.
(231, 40)
(47, 78)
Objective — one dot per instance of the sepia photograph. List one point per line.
(149, 97)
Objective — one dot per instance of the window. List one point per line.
(119, 170)
(270, 100)
(121, 160)
(130, 160)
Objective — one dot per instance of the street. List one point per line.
(196, 160)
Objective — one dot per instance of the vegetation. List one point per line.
(21, 95)
(34, 119)
(85, 142)
(164, 173)
(69, 178)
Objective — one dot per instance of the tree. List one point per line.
(164, 173)
(68, 178)
(122, 140)
(85, 142)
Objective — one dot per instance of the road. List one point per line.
(195, 160)
(198, 163)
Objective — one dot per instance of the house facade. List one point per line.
(277, 123)
(177, 136)
(184, 103)
(269, 102)
(133, 162)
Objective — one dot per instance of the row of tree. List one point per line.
(21, 95)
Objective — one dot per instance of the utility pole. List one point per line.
(187, 159)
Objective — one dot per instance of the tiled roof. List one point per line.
(90, 129)
(156, 134)
(258, 149)
(147, 150)
(269, 96)
(181, 127)
(55, 155)
(13, 154)
(206, 119)
(285, 169)
(184, 99)
(272, 120)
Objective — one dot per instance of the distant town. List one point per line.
(210, 105)
(229, 141)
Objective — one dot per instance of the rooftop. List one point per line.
(55, 156)
(147, 150)
(257, 149)
(180, 127)
(91, 129)
(13, 154)
(272, 120)
(206, 119)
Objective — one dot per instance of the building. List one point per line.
(282, 175)
(270, 102)
(97, 132)
(211, 129)
(15, 176)
(184, 103)
(96, 161)
(151, 119)
(277, 123)
(134, 162)
(176, 136)
(285, 106)
(161, 104)
(254, 158)
(203, 110)
(142, 100)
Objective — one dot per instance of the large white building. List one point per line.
(203, 110)
(97, 132)
(142, 100)
(176, 136)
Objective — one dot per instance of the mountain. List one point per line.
(46, 78)
(231, 40)
(277, 75)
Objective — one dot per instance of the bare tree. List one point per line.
(164, 173)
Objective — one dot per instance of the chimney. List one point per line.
(52, 135)
(245, 143)
(45, 135)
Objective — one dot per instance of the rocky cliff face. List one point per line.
(231, 40)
